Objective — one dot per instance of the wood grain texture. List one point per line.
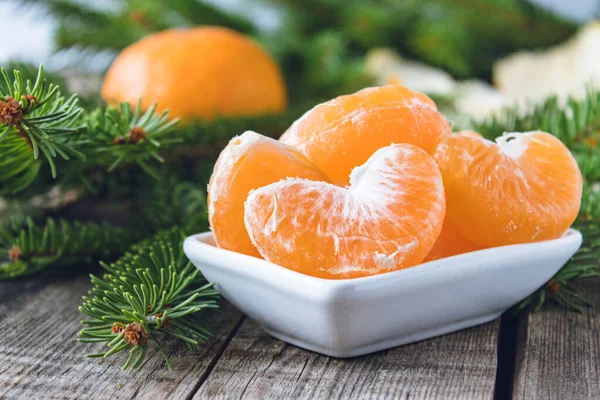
(39, 357)
(558, 351)
(461, 365)
(558, 356)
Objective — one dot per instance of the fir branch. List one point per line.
(38, 115)
(121, 134)
(30, 248)
(27, 248)
(36, 120)
(576, 122)
(152, 291)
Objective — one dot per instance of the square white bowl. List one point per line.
(351, 317)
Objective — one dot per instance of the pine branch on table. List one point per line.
(31, 247)
(36, 120)
(121, 134)
(153, 291)
(119, 147)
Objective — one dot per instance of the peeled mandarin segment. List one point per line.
(450, 243)
(344, 132)
(202, 72)
(248, 162)
(470, 134)
(387, 219)
(526, 187)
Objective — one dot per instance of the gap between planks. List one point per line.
(38, 354)
(559, 351)
(507, 348)
(214, 361)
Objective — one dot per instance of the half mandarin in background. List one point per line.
(203, 72)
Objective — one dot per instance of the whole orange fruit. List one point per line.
(197, 73)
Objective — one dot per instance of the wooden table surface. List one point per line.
(553, 354)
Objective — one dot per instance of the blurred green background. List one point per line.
(320, 44)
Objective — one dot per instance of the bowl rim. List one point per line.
(196, 244)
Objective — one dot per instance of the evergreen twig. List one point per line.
(29, 248)
(152, 291)
(121, 134)
(35, 120)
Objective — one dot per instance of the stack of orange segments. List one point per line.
(376, 181)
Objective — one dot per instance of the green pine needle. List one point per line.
(576, 123)
(120, 134)
(151, 292)
(37, 123)
(36, 120)
(29, 248)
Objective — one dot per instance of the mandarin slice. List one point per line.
(450, 243)
(248, 162)
(387, 218)
(525, 187)
(343, 133)
(467, 132)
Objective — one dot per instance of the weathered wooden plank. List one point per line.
(254, 365)
(39, 357)
(558, 352)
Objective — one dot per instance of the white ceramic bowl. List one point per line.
(346, 318)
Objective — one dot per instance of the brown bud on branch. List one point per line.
(10, 112)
